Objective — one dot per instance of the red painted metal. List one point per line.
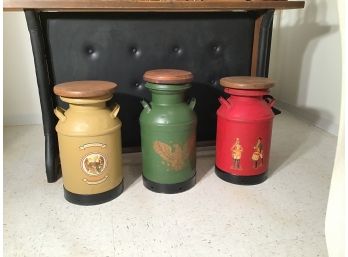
(244, 129)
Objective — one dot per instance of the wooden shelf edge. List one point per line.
(147, 6)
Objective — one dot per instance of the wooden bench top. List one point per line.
(150, 5)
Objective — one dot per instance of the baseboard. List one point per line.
(307, 114)
(320, 122)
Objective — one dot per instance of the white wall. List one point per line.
(21, 97)
(335, 221)
(306, 62)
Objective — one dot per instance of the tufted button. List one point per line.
(178, 50)
(214, 82)
(138, 85)
(216, 49)
(135, 51)
(91, 52)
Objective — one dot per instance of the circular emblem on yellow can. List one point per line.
(93, 164)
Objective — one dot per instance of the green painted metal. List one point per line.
(168, 135)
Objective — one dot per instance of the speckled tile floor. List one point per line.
(284, 216)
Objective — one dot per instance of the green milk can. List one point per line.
(168, 133)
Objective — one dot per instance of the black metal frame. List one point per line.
(48, 101)
(265, 40)
(46, 95)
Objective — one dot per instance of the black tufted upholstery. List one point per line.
(120, 47)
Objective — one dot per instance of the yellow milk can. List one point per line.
(89, 136)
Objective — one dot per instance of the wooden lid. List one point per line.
(85, 89)
(247, 82)
(168, 76)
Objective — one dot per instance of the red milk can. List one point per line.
(244, 129)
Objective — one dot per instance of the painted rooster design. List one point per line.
(175, 156)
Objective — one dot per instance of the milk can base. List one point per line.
(169, 188)
(95, 198)
(241, 180)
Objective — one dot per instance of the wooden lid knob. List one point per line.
(168, 76)
(85, 89)
(247, 82)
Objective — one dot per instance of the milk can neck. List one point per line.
(87, 103)
(164, 98)
(167, 94)
(245, 98)
(86, 107)
(246, 93)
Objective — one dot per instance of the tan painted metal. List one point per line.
(89, 136)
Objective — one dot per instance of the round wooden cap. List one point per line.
(247, 82)
(84, 89)
(168, 76)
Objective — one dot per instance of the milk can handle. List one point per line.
(115, 111)
(223, 101)
(192, 103)
(59, 112)
(271, 101)
(146, 106)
